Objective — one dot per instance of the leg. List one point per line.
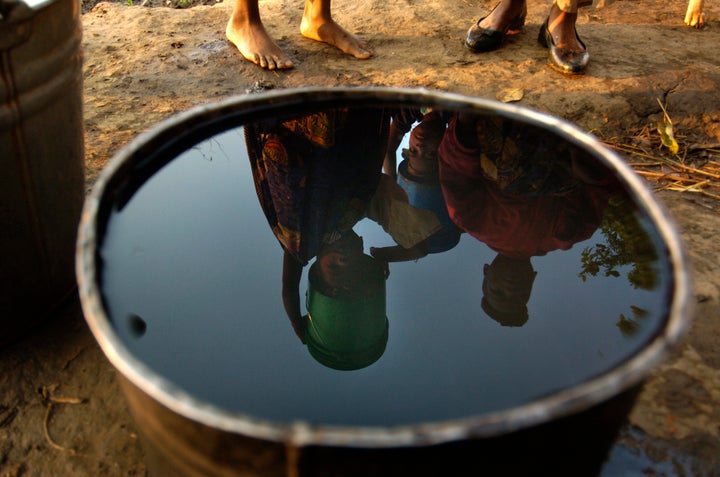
(317, 24)
(561, 24)
(695, 15)
(503, 15)
(567, 52)
(246, 31)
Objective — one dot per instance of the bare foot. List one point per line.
(333, 34)
(256, 45)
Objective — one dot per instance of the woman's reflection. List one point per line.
(316, 176)
(522, 192)
(418, 177)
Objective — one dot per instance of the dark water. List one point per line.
(192, 280)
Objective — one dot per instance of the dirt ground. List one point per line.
(61, 410)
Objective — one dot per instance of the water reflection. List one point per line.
(511, 186)
(523, 194)
(418, 178)
(395, 272)
(316, 176)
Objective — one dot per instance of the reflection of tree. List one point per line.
(629, 326)
(627, 243)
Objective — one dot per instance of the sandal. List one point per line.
(481, 39)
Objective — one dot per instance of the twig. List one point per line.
(692, 169)
(645, 164)
(663, 175)
(49, 439)
(631, 150)
(50, 401)
(698, 191)
(680, 177)
(712, 147)
(708, 194)
(66, 400)
(689, 188)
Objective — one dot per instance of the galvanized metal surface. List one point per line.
(41, 158)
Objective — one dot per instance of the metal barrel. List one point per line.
(567, 432)
(574, 446)
(41, 159)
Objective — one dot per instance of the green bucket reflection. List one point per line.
(350, 331)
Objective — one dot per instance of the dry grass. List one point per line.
(694, 168)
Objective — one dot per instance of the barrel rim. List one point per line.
(627, 375)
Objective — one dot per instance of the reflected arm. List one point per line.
(394, 139)
(397, 253)
(292, 271)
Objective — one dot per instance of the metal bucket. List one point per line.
(564, 432)
(41, 158)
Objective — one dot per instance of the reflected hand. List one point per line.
(299, 324)
(390, 165)
(378, 255)
(397, 253)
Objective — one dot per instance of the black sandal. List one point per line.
(562, 59)
(481, 39)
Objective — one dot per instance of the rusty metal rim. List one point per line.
(566, 402)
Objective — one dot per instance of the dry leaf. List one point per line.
(665, 128)
(510, 95)
(667, 137)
